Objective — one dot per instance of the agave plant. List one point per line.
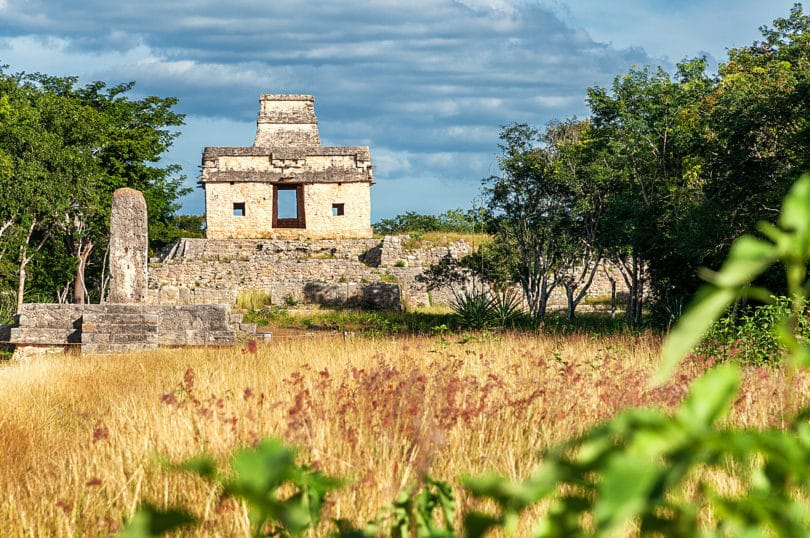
(475, 309)
(507, 308)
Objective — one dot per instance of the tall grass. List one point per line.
(80, 435)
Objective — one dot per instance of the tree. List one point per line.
(757, 135)
(642, 124)
(578, 164)
(527, 206)
(32, 189)
(452, 220)
(64, 149)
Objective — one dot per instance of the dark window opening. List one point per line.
(337, 210)
(288, 206)
(239, 209)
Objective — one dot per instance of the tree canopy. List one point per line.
(64, 149)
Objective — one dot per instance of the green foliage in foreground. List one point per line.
(628, 475)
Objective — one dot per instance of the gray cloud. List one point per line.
(427, 85)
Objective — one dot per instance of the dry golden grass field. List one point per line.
(80, 436)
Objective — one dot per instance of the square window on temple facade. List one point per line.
(239, 209)
(288, 179)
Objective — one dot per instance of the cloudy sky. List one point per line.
(426, 84)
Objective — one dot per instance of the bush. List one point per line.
(479, 309)
(748, 336)
(474, 309)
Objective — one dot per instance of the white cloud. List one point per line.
(50, 54)
(389, 163)
(674, 30)
(557, 101)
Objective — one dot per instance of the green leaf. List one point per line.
(624, 491)
(514, 495)
(202, 465)
(795, 215)
(149, 522)
(294, 514)
(747, 259)
(709, 304)
(262, 469)
(477, 524)
(710, 396)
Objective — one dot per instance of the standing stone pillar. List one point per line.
(129, 247)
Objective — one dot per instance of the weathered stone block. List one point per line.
(129, 244)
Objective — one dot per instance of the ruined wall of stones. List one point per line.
(353, 271)
(171, 325)
(197, 270)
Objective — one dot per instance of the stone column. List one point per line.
(129, 247)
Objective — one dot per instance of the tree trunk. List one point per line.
(21, 279)
(569, 295)
(634, 303)
(581, 282)
(632, 273)
(612, 297)
(79, 285)
(25, 258)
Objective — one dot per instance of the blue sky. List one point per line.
(426, 84)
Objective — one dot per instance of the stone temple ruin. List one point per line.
(291, 218)
(287, 185)
(318, 249)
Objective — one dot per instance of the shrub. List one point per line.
(507, 309)
(749, 335)
(474, 309)
(253, 299)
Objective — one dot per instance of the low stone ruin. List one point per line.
(105, 328)
(372, 273)
(125, 322)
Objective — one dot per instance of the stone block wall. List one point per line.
(331, 272)
(219, 208)
(354, 200)
(124, 327)
(351, 271)
(321, 202)
(287, 120)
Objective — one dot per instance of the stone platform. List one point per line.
(109, 328)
